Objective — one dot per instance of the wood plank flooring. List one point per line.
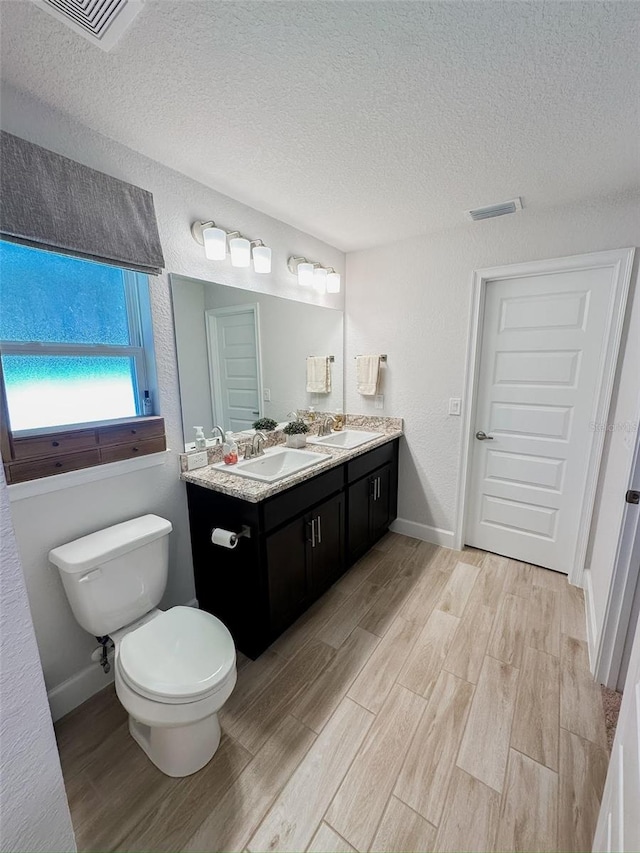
(432, 700)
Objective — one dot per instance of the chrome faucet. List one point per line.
(326, 425)
(255, 447)
(218, 428)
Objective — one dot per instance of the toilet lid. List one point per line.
(183, 652)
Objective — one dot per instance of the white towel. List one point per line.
(367, 370)
(318, 374)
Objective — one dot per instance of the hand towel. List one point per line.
(367, 370)
(318, 374)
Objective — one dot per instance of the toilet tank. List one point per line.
(115, 575)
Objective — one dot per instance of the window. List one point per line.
(75, 339)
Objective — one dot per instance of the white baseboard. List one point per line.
(435, 535)
(590, 615)
(75, 690)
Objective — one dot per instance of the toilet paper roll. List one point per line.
(224, 538)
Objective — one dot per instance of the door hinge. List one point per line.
(632, 497)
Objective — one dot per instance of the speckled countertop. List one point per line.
(255, 491)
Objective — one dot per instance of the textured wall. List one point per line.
(33, 803)
(46, 521)
(412, 301)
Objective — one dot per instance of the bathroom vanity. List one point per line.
(300, 534)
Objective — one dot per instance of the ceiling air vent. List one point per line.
(102, 22)
(495, 210)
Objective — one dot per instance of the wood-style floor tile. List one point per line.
(580, 696)
(583, 770)
(429, 653)
(537, 716)
(409, 727)
(230, 821)
(293, 819)
(470, 819)
(373, 685)
(326, 840)
(458, 589)
(507, 641)
(401, 830)
(317, 703)
(424, 777)
(485, 745)
(356, 808)
(529, 813)
(543, 623)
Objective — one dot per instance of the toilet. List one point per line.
(174, 669)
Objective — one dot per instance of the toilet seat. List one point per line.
(180, 656)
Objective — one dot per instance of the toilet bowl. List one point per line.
(173, 673)
(174, 669)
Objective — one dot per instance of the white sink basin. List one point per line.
(276, 464)
(348, 438)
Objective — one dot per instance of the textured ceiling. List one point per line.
(359, 122)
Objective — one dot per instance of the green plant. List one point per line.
(295, 428)
(265, 424)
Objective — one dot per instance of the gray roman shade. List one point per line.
(51, 202)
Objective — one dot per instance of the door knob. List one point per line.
(482, 436)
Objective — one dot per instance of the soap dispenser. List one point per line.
(201, 441)
(230, 450)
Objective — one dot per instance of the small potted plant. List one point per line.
(296, 432)
(265, 424)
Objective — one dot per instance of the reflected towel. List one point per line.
(367, 371)
(318, 374)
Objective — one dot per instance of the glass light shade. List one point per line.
(305, 275)
(240, 249)
(215, 243)
(333, 282)
(262, 259)
(320, 280)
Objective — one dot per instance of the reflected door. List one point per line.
(234, 366)
(543, 343)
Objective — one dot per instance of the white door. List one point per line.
(545, 348)
(618, 826)
(234, 362)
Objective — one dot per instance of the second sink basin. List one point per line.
(276, 464)
(347, 438)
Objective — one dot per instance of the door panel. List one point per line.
(541, 360)
(328, 554)
(288, 566)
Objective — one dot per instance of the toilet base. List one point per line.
(178, 750)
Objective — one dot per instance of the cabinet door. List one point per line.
(289, 572)
(359, 521)
(327, 556)
(381, 502)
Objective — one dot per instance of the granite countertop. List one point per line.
(255, 491)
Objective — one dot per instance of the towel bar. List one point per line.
(381, 357)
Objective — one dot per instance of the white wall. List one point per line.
(33, 803)
(411, 300)
(45, 521)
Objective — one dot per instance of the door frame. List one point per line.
(621, 260)
(211, 329)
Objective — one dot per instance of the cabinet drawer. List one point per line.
(362, 465)
(21, 471)
(129, 451)
(53, 444)
(137, 430)
(295, 501)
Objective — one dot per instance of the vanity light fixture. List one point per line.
(261, 256)
(312, 274)
(242, 250)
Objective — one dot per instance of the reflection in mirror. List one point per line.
(243, 355)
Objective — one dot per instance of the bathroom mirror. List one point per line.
(242, 355)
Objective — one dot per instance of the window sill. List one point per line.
(32, 488)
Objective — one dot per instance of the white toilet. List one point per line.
(174, 669)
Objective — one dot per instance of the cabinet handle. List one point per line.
(378, 482)
(373, 490)
(313, 533)
(319, 532)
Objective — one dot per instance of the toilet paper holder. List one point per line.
(245, 532)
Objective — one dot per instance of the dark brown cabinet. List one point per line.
(300, 542)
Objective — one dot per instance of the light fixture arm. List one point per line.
(198, 227)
